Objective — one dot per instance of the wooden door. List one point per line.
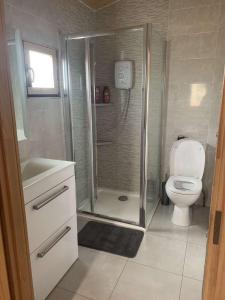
(214, 279)
(14, 246)
(4, 279)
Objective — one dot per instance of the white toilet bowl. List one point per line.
(184, 186)
(183, 192)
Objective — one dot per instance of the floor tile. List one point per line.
(139, 282)
(200, 215)
(94, 275)
(197, 235)
(165, 249)
(194, 261)
(163, 253)
(81, 222)
(60, 294)
(197, 232)
(191, 289)
(161, 224)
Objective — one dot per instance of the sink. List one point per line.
(35, 167)
(37, 173)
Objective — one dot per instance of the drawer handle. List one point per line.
(43, 203)
(49, 247)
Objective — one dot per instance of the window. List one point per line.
(41, 70)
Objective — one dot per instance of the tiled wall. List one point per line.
(127, 152)
(216, 102)
(40, 22)
(195, 33)
(124, 14)
(134, 12)
(119, 162)
(195, 76)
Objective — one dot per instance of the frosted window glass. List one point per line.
(42, 67)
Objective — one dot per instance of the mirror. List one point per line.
(17, 73)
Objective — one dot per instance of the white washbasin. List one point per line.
(34, 167)
(37, 172)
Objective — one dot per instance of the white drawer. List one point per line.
(45, 220)
(32, 190)
(49, 269)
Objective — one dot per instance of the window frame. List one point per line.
(41, 92)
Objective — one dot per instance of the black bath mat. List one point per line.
(110, 238)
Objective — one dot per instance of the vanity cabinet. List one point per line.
(52, 229)
(53, 258)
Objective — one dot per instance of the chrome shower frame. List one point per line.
(146, 28)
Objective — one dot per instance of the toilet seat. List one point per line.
(184, 185)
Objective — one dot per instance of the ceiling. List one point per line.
(97, 4)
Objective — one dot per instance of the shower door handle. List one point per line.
(216, 229)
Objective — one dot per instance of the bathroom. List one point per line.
(118, 134)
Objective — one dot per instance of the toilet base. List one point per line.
(181, 216)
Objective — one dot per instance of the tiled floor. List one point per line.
(169, 265)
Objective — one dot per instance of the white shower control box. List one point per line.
(124, 74)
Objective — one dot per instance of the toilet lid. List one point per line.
(187, 158)
(184, 185)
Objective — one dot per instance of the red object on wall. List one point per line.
(97, 94)
(106, 95)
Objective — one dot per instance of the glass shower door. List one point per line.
(106, 136)
(78, 67)
(117, 144)
(118, 125)
(156, 109)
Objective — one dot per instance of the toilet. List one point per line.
(184, 186)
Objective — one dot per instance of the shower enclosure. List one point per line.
(116, 144)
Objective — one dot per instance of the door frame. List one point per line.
(4, 279)
(213, 285)
(12, 208)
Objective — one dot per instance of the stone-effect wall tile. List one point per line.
(209, 173)
(67, 15)
(193, 20)
(119, 162)
(195, 73)
(196, 46)
(32, 28)
(196, 63)
(179, 4)
(222, 16)
(131, 13)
